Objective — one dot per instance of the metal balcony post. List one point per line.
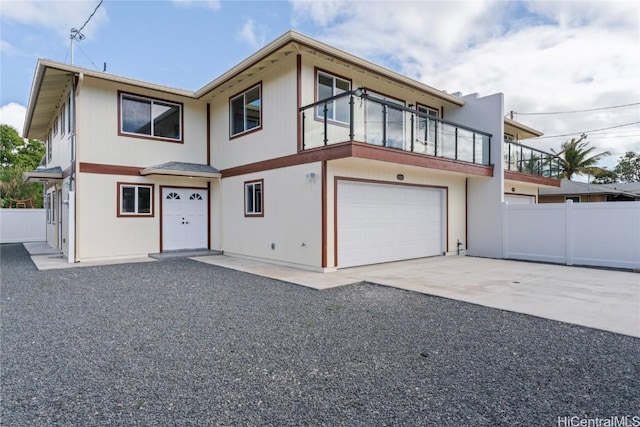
(455, 145)
(435, 138)
(412, 124)
(473, 157)
(509, 158)
(326, 110)
(351, 117)
(303, 133)
(384, 125)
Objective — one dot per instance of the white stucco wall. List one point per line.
(485, 195)
(292, 218)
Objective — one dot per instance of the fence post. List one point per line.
(568, 233)
(505, 230)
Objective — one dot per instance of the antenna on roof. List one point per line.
(76, 33)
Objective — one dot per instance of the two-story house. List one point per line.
(302, 155)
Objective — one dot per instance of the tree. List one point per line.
(577, 159)
(604, 176)
(628, 167)
(18, 155)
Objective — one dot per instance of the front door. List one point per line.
(184, 218)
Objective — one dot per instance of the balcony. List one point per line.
(356, 116)
(530, 161)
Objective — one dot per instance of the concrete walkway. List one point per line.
(596, 298)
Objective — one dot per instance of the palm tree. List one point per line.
(577, 159)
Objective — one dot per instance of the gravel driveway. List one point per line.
(178, 342)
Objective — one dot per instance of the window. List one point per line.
(135, 200)
(150, 117)
(328, 86)
(385, 124)
(246, 111)
(55, 126)
(49, 147)
(50, 205)
(427, 128)
(253, 198)
(69, 113)
(63, 114)
(574, 199)
(509, 138)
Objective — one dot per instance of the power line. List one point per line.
(589, 131)
(79, 31)
(577, 111)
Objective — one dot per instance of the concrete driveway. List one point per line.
(596, 298)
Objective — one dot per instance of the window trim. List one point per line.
(246, 131)
(316, 116)
(244, 196)
(121, 214)
(150, 137)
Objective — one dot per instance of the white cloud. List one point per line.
(545, 56)
(13, 114)
(58, 16)
(252, 35)
(210, 4)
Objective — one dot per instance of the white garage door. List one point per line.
(184, 218)
(382, 223)
(517, 199)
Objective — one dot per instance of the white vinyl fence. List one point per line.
(23, 225)
(595, 234)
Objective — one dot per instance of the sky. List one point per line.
(551, 59)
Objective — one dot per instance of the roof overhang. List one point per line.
(43, 175)
(293, 42)
(520, 130)
(189, 170)
(50, 87)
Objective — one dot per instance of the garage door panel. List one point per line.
(381, 223)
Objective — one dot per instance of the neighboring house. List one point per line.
(302, 155)
(585, 192)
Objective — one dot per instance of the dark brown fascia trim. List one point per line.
(532, 179)
(299, 100)
(364, 151)
(150, 137)
(109, 169)
(323, 200)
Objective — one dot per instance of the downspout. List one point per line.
(75, 90)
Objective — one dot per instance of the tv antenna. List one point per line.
(76, 33)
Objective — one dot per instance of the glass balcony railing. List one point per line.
(523, 159)
(357, 116)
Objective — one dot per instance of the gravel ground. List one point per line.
(177, 343)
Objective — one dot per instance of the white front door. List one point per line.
(184, 218)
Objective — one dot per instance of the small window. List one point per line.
(49, 147)
(135, 200)
(195, 196)
(55, 126)
(574, 199)
(173, 196)
(509, 138)
(150, 117)
(246, 111)
(253, 200)
(329, 86)
(63, 115)
(69, 113)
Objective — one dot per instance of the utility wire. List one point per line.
(90, 16)
(588, 131)
(577, 111)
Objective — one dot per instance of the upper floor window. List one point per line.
(49, 147)
(427, 127)
(135, 200)
(69, 113)
(253, 198)
(55, 126)
(509, 138)
(245, 111)
(150, 117)
(329, 86)
(63, 115)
